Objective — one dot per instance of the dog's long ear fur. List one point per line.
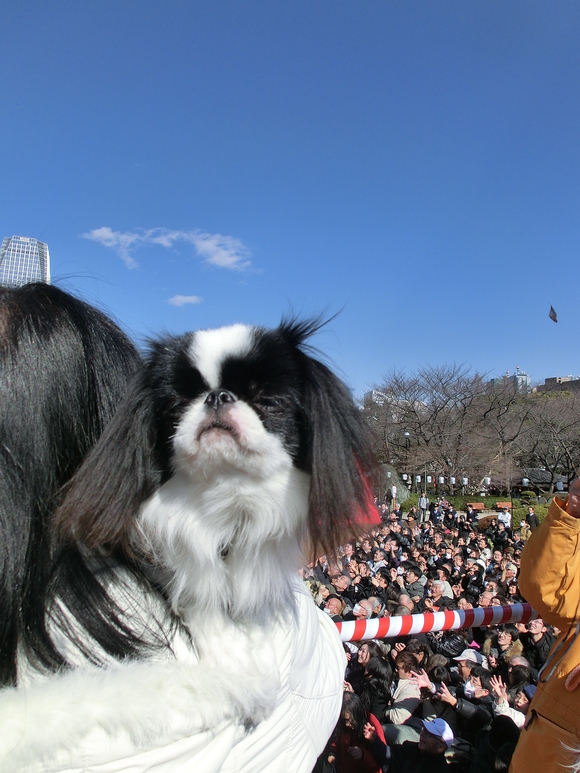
(338, 447)
(118, 476)
(130, 461)
(64, 367)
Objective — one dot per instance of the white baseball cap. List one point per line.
(472, 656)
(439, 728)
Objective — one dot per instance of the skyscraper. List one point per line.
(23, 260)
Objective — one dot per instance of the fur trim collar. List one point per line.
(513, 651)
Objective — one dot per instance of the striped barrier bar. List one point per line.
(392, 627)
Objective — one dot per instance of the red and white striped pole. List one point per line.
(391, 627)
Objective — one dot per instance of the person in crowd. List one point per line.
(426, 756)
(435, 600)
(505, 517)
(431, 707)
(362, 582)
(525, 532)
(532, 519)
(350, 750)
(485, 598)
(467, 661)
(366, 550)
(513, 592)
(406, 601)
(379, 561)
(424, 507)
(520, 675)
(362, 610)
(334, 606)
(443, 574)
(342, 586)
(375, 688)
(411, 582)
(537, 643)
(406, 695)
(357, 665)
(451, 644)
(472, 702)
(491, 530)
(521, 702)
(347, 554)
(501, 537)
(500, 646)
(378, 606)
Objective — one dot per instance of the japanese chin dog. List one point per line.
(231, 453)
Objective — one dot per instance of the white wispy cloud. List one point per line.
(216, 249)
(115, 240)
(182, 300)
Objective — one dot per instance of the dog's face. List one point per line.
(234, 402)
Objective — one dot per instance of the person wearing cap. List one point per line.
(427, 756)
(505, 517)
(414, 587)
(522, 700)
(466, 661)
(550, 581)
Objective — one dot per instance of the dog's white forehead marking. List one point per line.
(210, 348)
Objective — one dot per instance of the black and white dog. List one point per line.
(232, 453)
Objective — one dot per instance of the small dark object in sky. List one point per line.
(553, 315)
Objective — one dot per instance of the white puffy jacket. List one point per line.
(146, 716)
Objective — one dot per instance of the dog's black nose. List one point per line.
(219, 397)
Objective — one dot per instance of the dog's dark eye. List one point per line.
(269, 404)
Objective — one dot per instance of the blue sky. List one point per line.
(414, 165)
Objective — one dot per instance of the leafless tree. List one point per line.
(448, 420)
(550, 438)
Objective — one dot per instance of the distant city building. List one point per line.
(23, 260)
(561, 384)
(519, 379)
(374, 396)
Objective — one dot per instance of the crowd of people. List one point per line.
(431, 701)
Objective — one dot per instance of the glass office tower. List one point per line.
(23, 260)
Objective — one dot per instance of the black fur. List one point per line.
(64, 367)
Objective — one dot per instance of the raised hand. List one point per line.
(446, 696)
(421, 679)
(500, 690)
